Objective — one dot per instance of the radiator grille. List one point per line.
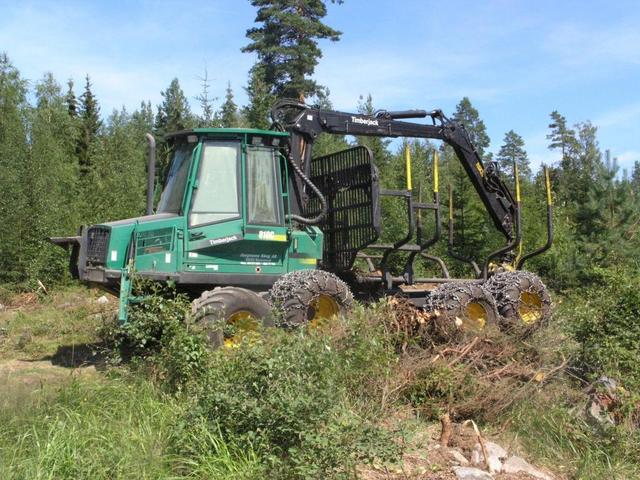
(97, 244)
(349, 181)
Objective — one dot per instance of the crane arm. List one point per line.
(305, 124)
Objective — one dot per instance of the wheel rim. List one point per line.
(530, 308)
(239, 326)
(475, 316)
(321, 309)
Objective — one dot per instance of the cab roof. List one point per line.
(226, 131)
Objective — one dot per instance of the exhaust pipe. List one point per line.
(151, 173)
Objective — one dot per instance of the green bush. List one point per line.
(158, 332)
(294, 398)
(605, 320)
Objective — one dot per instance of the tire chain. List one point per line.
(287, 292)
(506, 287)
(458, 291)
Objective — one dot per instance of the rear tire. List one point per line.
(462, 308)
(227, 315)
(523, 300)
(309, 297)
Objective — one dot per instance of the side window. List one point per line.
(263, 187)
(216, 197)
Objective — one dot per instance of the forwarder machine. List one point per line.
(249, 223)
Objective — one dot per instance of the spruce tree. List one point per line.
(90, 124)
(286, 43)
(70, 100)
(474, 232)
(174, 114)
(229, 110)
(379, 146)
(257, 111)
(207, 118)
(512, 151)
(468, 115)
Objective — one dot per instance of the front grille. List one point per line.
(97, 243)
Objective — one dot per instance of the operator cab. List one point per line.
(229, 190)
(217, 161)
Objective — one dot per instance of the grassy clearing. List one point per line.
(34, 327)
(309, 404)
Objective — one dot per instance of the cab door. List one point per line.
(214, 221)
(266, 237)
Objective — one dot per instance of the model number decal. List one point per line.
(266, 235)
(271, 235)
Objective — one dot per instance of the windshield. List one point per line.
(171, 198)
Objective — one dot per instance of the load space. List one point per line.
(259, 232)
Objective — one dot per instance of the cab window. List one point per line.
(216, 196)
(171, 198)
(263, 187)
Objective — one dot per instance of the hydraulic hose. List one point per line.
(323, 201)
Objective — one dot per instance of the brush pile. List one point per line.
(472, 375)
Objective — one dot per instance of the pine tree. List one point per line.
(229, 110)
(207, 118)
(286, 43)
(90, 124)
(256, 113)
(562, 138)
(512, 151)
(605, 216)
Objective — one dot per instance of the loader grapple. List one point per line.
(349, 181)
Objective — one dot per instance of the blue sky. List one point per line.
(516, 60)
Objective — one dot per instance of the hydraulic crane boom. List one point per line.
(305, 123)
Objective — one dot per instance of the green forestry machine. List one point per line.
(249, 222)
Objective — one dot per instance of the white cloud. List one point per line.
(605, 44)
(627, 159)
(619, 116)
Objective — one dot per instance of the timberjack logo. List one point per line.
(364, 121)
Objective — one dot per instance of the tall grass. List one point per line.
(118, 429)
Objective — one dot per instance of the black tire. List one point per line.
(305, 296)
(218, 310)
(523, 300)
(462, 308)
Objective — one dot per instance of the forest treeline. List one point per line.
(64, 162)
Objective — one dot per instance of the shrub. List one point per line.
(158, 332)
(605, 320)
(293, 398)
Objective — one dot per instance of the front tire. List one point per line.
(228, 315)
